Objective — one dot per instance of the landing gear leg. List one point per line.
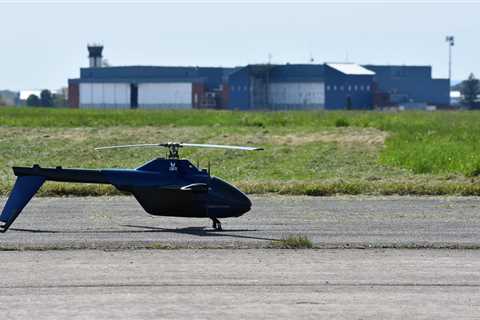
(217, 225)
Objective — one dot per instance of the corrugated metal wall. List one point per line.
(291, 95)
(165, 95)
(104, 95)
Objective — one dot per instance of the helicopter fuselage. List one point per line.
(163, 187)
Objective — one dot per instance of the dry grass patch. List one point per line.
(341, 136)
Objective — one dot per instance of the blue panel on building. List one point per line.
(239, 90)
(298, 73)
(347, 91)
(404, 84)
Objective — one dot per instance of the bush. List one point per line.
(341, 122)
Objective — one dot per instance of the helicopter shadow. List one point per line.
(202, 232)
(194, 231)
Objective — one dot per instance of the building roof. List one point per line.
(212, 77)
(285, 72)
(351, 69)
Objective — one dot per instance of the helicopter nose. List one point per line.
(242, 205)
(228, 200)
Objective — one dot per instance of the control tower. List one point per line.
(95, 55)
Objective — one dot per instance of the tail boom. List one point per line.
(62, 175)
(29, 180)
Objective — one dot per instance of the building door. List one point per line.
(133, 96)
(349, 103)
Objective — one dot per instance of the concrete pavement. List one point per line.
(330, 222)
(240, 284)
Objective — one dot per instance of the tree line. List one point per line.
(46, 99)
(470, 90)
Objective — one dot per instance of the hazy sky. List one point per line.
(44, 44)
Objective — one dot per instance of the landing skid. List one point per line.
(217, 225)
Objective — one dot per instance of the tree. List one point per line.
(46, 98)
(2, 102)
(470, 90)
(33, 101)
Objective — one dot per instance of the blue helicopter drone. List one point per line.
(164, 186)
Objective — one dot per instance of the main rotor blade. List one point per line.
(220, 146)
(131, 146)
(172, 144)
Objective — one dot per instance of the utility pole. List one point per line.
(267, 81)
(451, 42)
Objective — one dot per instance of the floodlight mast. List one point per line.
(451, 42)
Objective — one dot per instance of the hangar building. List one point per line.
(254, 87)
(301, 86)
(145, 86)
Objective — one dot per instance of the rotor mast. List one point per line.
(173, 149)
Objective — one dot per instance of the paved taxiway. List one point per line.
(332, 222)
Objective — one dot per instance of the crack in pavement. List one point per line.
(200, 285)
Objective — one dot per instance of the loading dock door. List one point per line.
(133, 96)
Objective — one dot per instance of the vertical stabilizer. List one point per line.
(24, 189)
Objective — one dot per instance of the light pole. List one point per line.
(451, 42)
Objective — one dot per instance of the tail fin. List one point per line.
(24, 189)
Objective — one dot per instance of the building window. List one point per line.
(334, 88)
(367, 88)
(341, 88)
(355, 88)
(245, 88)
(361, 88)
(349, 88)
(328, 88)
(233, 88)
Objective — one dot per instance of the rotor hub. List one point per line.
(173, 149)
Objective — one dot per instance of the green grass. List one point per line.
(306, 152)
(293, 242)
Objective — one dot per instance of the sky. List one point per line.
(44, 43)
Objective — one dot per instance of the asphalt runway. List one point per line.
(330, 222)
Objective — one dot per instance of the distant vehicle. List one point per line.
(164, 186)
